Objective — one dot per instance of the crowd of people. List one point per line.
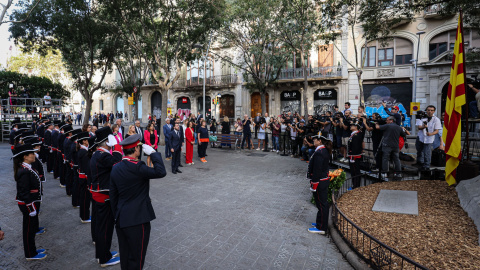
(94, 163)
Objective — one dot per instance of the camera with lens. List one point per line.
(421, 114)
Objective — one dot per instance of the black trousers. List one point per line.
(256, 130)
(355, 172)
(84, 199)
(176, 159)
(202, 149)
(30, 228)
(43, 154)
(247, 136)
(56, 165)
(104, 231)
(68, 179)
(63, 172)
(133, 243)
(75, 188)
(321, 202)
(50, 160)
(93, 224)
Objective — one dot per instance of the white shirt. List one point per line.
(433, 125)
(48, 100)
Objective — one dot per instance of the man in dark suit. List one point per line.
(182, 135)
(130, 201)
(139, 130)
(167, 129)
(257, 123)
(175, 146)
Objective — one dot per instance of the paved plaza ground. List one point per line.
(241, 210)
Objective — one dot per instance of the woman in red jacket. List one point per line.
(151, 138)
(190, 141)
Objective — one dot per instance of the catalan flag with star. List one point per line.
(452, 130)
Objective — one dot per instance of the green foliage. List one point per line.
(49, 65)
(251, 29)
(75, 28)
(38, 86)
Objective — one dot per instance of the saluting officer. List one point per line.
(101, 165)
(28, 197)
(354, 153)
(319, 181)
(130, 200)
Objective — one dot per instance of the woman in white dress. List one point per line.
(261, 134)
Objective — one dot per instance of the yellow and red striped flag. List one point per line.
(452, 130)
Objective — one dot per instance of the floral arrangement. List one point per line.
(337, 177)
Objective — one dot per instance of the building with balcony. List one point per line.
(388, 72)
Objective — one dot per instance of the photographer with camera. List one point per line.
(345, 125)
(393, 112)
(326, 121)
(308, 148)
(429, 125)
(376, 137)
(390, 149)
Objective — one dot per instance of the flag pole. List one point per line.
(466, 145)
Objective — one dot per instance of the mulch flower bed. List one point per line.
(442, 236)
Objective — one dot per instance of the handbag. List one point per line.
(213, 138)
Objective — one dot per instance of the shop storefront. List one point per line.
(324, 100)
(290, 101)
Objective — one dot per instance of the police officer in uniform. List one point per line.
(29, 196)
(130, 201)
(55, 135)
(101, 165)
(12, 133)
(83, 159)
(41, 135)
(64, 130)
(74, 166)
(48, 145)
(92, 147)
(319, 181)
(354, 153)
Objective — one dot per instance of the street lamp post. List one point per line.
(414, 95)
(204, 70)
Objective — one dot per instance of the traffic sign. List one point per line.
(414, 107)
(135, 89)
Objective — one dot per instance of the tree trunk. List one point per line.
(360, 86)
(305, 85)
(163, 115)
(263, 101)
(88, 107)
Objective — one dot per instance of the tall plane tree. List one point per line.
(251, 31)
(300, 32)
(74, 28)
(163, 33)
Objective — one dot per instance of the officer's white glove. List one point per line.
(147, 149)
(111, 140)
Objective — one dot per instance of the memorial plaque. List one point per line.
(397, 201)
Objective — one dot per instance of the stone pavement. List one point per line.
(241, 210)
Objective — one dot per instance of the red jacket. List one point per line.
(146, 135)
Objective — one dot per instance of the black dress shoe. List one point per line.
(180, 165)
(174, 172)
(206, 155)
(179, 171)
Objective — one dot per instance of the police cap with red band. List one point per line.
(131, 142)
